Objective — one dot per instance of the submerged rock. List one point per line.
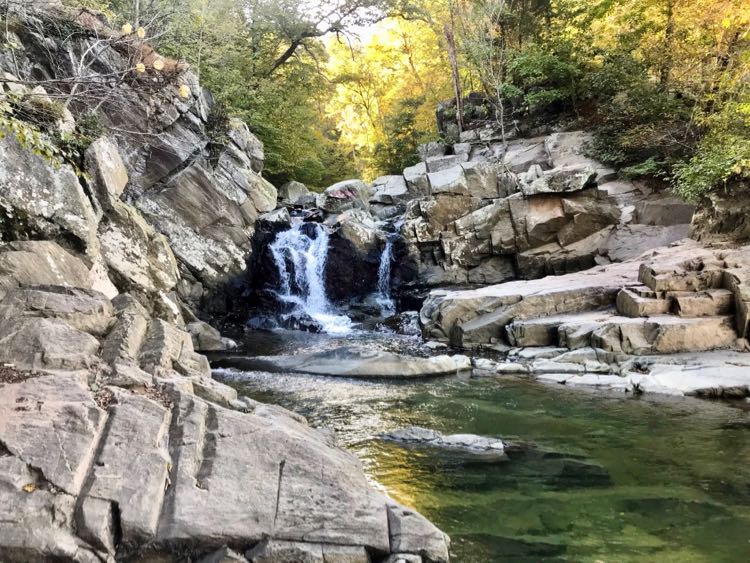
(466, 442)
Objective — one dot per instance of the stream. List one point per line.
(631, 479)
(601, 477)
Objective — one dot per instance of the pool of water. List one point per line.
(633, 478)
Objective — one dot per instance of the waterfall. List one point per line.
(301, 261)
(387, 307)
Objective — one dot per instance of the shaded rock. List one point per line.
(278, 219)
(359, 228)
(273, 551)
(416, 180)
(410, 532)
(292, 193)
(207, 339)
(664, 211)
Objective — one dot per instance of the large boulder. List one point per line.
(42, 198)
(139, 258)
(348, 194)
(83, 309)
(107, 171)
(293, 193)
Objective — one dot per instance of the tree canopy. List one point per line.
(349, 87)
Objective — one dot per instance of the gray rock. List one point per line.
(207, 339)
(353, 361)
(561, 180)
(440, 163)
(107, 171)
(280, 551)
(39, 343)
(465, 442)
(139, 257)
(278, 218)
(292, 192)
(42, 263)
(223, 555)
(411, 532)
(133, 477)
(37, 525)
(229, 490)
(389, 190)
(431, 150)
(664, 211)
(83, 309)
(348, 194)
(52, 423)
(166, 347)
(37, 196)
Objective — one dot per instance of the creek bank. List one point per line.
(116, 443)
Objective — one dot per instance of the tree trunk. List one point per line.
(448, 30)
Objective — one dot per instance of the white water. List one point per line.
(387, 307)
(304, 285)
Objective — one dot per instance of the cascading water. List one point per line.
(303, 284)
(387, 307)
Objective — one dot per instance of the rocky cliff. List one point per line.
(115, 441)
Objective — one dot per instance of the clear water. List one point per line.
(301, 262)
(679, 469)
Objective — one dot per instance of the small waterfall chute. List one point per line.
(384, 299)
(300, 255)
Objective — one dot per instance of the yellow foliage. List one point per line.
(184, 91)
(158, 64)
(127, 29)
(140, 68)
(141, 33)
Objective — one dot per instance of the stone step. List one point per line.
(543, 332)
(653, 335)
(708, 303)
(641, 302)
(707, 276)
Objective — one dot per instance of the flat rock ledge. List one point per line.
(116, 444)
(673, 321)
(356, 362)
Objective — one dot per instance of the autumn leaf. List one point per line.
(127, 29)
(29, 488)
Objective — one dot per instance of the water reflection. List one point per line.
(648, 479)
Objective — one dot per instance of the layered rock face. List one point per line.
(173, 191)
(525, 209)
(632, 325)
(115, 442)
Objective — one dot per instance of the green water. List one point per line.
(679, 469)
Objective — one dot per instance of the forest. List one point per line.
(349, 88)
